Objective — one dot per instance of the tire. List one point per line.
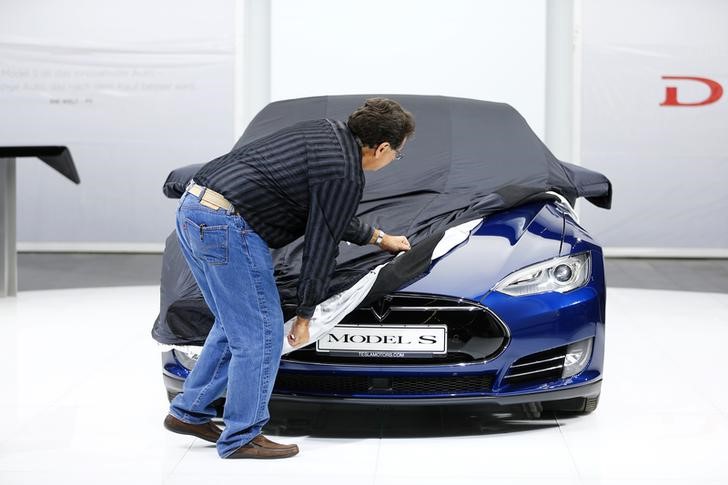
(574, 407)
(531, 410)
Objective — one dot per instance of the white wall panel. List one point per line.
(668, 164)
(492, 50)
(133, 88)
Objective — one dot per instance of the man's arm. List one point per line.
(331, 209)
(358, 232)
(392, 244)
(332, 204)
(362, 234)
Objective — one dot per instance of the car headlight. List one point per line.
(559, 274)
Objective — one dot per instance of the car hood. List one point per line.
(503, 243)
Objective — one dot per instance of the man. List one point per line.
(304, 179)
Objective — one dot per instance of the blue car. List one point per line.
(511, 317)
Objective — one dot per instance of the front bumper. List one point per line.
(587, 391)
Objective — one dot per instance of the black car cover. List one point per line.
(467, 159)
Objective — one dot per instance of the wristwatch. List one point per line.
(380, 236)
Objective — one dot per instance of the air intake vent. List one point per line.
(342, 385)
(536, 368)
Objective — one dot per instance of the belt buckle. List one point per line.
(196, 190)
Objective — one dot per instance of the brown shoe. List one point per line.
(262, 447)
(208, 431)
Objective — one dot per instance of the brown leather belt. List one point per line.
(210, 198)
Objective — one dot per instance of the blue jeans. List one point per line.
(233, 268)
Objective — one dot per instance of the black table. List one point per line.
(58, 158)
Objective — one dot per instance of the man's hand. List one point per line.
(299, 332)
(395, 244)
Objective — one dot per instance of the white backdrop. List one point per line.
(137, 88)
(483, 49)
(133, 88)
(668, 164)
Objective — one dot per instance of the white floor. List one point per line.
(82, 401)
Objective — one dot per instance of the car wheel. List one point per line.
(531, 410)
(576, 406)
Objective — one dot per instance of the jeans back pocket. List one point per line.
(208, 243)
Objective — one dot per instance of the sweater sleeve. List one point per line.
(332, 205)
(358, 232)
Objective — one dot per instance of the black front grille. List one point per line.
(474, 333)
(347, 385)
(537, 368)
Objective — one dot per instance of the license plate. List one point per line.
(385, 340)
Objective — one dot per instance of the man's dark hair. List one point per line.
(379, 120)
